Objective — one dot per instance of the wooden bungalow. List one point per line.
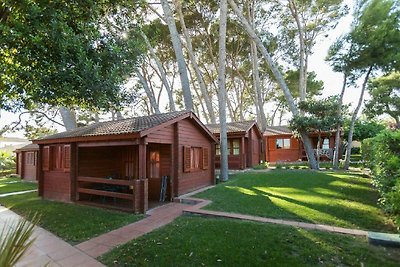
(26, 162)
(127, 164)
(245, 148)
(282, 146)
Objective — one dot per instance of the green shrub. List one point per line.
(367, 151)
(278, 166)
(383, 157)
(7, 161)
(261, 166)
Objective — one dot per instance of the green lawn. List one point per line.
(8, 185)
(73, 223)
(333, 198)
(196, 241)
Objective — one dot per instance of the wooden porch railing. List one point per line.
(105, 192)
(327, 152)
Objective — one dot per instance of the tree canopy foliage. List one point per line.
(71, 53)
(385, 97)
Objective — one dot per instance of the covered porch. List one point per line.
(124, 175)
(326, 148)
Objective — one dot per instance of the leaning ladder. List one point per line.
(163, 191)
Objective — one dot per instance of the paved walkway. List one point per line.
(17, 193)
(47, 248)
(158, 217)
(196, 210)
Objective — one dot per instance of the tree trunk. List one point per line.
(119, 115)
(339, 126)
(302, 51)
(149, 93)
(195, 66)
(256, 74)
(68, 117)
(353, 121)
(163, 75)
(222, 90)
(318, 147)
(187, 95)
(280, 80)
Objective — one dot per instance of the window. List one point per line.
(67, 158)
(154, 164)
(195, 153)
(30, 158)
(235, 146)
(217, 150)
(325, 144)
(283, 143)
(195, 158)
(57, 156)
(46, 158)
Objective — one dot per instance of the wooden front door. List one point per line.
(154, 173)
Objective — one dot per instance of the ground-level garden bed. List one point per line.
(196, 241)
(71, 222)
(9, 185)
(334, 198)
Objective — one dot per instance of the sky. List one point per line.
(332, 81)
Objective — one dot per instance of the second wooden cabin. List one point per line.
(245, 145)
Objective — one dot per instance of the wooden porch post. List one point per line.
(175, 162)
(39, 171)
(73, 172)
(142, 159)
(250, 147)
(22, 164)
(243, 162)
(140, 195)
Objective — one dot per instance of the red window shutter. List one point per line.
(186, 158)
(67, 158)
(205, 158)
(46, 158)
(271, 143)
(294, 143)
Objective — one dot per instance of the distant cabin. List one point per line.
(282, 146)
(129, 164)
(26, 162)
(245, 148)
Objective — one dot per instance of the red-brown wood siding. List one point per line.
(101, 161)
(275, 155)
(190, 135)
(56, 185)
(162, 136)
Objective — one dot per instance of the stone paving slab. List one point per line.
(17, 193)
(389, 240)
(157, 218)
(196, 210)
(47, 249)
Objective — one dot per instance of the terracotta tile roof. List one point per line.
(232, 127)
(277, 130)
(125, 126)
(29, 147)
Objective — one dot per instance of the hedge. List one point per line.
(382, 156)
